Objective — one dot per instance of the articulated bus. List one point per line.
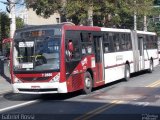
(64, 58)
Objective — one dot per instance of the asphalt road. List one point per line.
(137, 99)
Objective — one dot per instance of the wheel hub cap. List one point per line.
(87, 82)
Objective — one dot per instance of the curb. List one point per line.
(5, 91)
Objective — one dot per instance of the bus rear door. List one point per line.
(141, 52)
(99, 56)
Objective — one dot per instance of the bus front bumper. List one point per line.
(40, 88)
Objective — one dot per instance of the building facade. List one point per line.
(31, 18)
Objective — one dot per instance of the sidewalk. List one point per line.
(5, 85)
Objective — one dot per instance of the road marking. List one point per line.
(156, 85)
(153, 84)
(18, 105)
(98, 110)
(108, 106)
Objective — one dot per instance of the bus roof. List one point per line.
(39, 27)
(87, 28)
(144, 32)
(115, 30)
(30, 27)
(71, 26)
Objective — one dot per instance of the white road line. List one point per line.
(18, 105)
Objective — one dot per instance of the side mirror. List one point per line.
(70, 46)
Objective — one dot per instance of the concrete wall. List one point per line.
(31, 18)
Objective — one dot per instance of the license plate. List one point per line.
(35, 87)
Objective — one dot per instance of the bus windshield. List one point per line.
(36, 53)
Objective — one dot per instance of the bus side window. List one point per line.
(122, 41)
(106, 43)
(116, 42)
(86, 41)
(145, 42)
(148, 42)
(106, 47)
(128, 41)
(72, 54)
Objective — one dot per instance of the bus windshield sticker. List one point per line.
(26, 44)
(83, 62)
(57, 31)
(27, 65)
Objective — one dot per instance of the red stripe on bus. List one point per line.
(116, 65)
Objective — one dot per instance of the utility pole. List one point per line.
(90, 14)
(11, 10)
(135, 20)
(12, 16)
(135, 16)
(145, 23)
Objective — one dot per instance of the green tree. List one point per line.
(109, 13)
(76, 11)
(19, 23)
(4, 27)
(46, 8)
(153, 24)
(112, 13)
(143, 9)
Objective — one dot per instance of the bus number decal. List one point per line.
(46, 74)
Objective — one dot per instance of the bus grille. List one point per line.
(35, 78)
(37, 90)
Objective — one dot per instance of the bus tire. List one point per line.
(151, 68)
(87, 83)
(127, 72)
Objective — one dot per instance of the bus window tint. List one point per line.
(128, 41)
(123, 41)
(107, 43)
(116, 42)
(87, 43)
(73, 36)
(151, 42)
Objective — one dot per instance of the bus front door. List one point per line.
(99, 59)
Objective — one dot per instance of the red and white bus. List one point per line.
(64, 58)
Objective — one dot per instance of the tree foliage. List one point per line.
(109, 13)
(19, 23)
(45, 8)
(5, 26)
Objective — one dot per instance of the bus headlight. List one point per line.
(56, 78)
(16, 80)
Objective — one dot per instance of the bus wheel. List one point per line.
(87, 83)
(127, 72)
(150, 70)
